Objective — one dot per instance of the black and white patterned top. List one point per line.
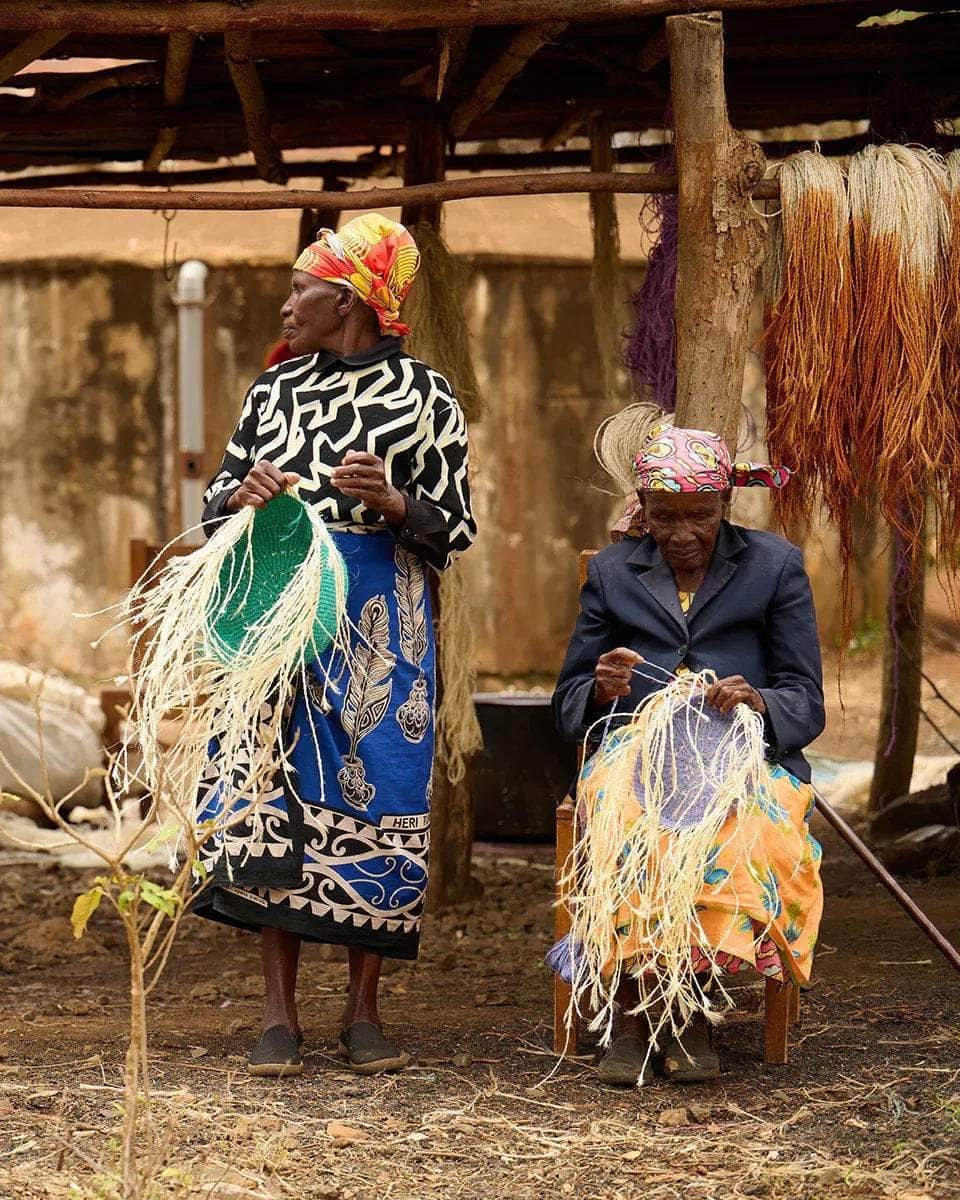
(305, 414)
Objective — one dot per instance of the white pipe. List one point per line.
(190, 298)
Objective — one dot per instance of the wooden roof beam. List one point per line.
(176, 69)
(483, 186)
(29, 51)
(511, 62)
(135, 75)
(238, 48)
(217, 16)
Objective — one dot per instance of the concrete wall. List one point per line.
(87, 404)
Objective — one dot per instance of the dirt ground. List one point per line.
(869, 1105)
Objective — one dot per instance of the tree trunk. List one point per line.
(902, 674)
(721, 236)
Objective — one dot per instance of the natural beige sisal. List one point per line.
(630, 862)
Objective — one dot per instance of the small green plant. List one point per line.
(149, 913)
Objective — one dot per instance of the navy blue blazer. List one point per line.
(752, 616)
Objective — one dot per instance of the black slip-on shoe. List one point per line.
(368, 1051)
(624, 1063)
(276, 1054)
(691, 1058)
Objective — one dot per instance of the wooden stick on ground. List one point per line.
(34, 47)
(522, 48)
(238, 47)
(175, 72)
(721, 237)
(906, 902)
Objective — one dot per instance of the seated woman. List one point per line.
(697, 593)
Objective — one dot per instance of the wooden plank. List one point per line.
(544, 184)
(29, 51)
(721, 236)
(238, 50)
(217, 16)
(523, 46)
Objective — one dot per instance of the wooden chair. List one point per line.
(781, 1000)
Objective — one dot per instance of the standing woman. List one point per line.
(377, 441)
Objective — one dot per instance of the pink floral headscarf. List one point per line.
(693, 460)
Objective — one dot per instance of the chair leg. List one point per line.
(778, 1007)
(564, 1032)
(794, 1004)
(565, 1036)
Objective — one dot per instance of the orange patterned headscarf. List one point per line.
(375, 257)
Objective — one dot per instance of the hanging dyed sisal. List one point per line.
(808, 338)
(904, 434)
(860, 342)
(434, 310)
(651, 351)
(223, 635)
(950, 509)
(653, 815)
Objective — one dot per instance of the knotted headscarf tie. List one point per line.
(693, 460)
(374, 256)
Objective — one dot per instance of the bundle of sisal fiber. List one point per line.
(223, 637)
(807, 340)
(651, 806)
(904, 435)
(440, 337)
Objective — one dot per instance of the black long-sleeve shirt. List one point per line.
(307, 413)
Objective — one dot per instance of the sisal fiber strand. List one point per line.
(230, 689)
(807, 340)
(650, 810)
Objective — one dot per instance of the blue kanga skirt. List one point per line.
(341, 843)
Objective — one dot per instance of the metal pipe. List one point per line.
(910, 906)
(190, 298)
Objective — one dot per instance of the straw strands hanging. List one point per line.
(640, 865)
(808, 339)
(229, 693)
(860, 341)
(440, 337)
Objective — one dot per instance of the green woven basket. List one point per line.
(252, 583)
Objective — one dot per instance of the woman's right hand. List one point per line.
(264, 481)
(612, 674)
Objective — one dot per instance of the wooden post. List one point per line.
(451, 809)
(606, 279)
(902, 673)
(424, 161)
(721, 237)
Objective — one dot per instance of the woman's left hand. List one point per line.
(364, 476)
(727, 693)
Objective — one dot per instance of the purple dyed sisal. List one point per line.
(650, 353)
